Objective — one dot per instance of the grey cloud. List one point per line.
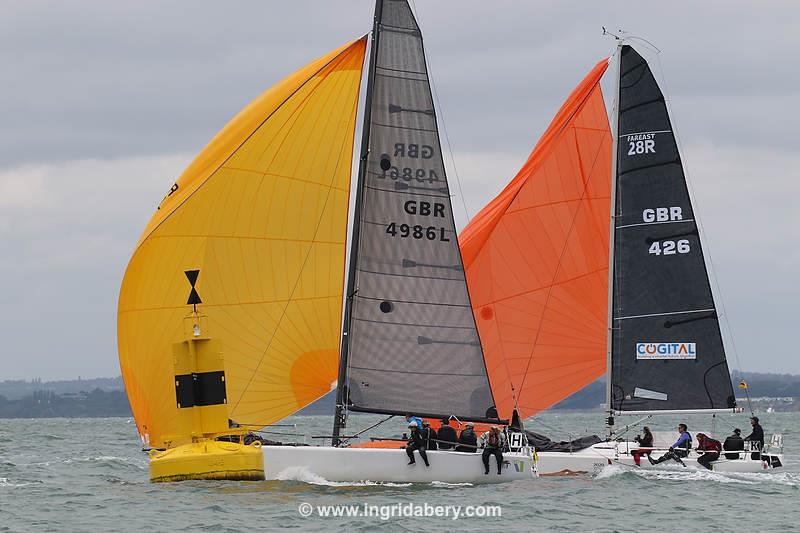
(105, 102)
(100, 79)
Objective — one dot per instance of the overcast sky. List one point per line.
(104, 103)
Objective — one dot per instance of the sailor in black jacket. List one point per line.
(756, 436)
(447, 435)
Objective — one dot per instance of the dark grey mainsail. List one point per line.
(410, 341)
(667, 350)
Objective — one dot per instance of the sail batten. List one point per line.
(667, 351)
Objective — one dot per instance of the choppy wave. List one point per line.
(4, 482)
(97, 480)
(304, 475)
(791, 479)
(445, 484)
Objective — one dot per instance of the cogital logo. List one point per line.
(666, 350)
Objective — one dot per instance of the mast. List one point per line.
(611, 234)
(340, 418)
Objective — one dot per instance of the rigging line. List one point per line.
(373, 426)
(698, 221)
(440, 117)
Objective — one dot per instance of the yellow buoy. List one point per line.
(208, 459)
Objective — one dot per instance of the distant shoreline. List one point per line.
(105, 397)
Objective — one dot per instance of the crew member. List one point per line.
(493, 442)
(447, 435)
(430, 436)
(467, 441)
(679, 449)
(710, 448)
(734, 443)
(645, 446)
(415, 419)
(756, 437)
(416, 442)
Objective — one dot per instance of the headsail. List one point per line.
(536, 260)
(261, 213)
(411, 344)
(667, 351)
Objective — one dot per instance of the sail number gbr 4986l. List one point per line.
(419, 231)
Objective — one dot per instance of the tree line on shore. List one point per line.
(102, 397)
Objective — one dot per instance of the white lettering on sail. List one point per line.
(670, 247)
(662, 214)
(641, 143)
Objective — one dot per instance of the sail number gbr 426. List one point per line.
(664, 215)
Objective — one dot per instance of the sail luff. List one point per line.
(611, 235)
(339, 419)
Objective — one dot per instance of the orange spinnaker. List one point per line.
(536, 259)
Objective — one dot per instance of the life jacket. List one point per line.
(688, 444)
(493, 441)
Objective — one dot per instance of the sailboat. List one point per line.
(233, 312)
(662, 345)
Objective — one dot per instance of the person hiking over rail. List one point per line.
(678, 450)
(416, 442)
(493, 443)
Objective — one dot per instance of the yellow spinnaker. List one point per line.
(262, 214)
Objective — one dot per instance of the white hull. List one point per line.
(593, 459)
(390, 465)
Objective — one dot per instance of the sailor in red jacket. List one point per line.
(710, 448)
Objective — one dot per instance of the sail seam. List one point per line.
(665, 314)
(426, 373)
(644, 133)
(410, 301)
(409, 324)
(655, 223)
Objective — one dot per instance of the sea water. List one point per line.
(90, 475)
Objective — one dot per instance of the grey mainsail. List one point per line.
(410, 341)
(667, 350)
